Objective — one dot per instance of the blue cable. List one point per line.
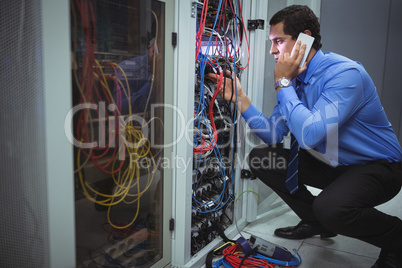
(295, 262)
(203, 59)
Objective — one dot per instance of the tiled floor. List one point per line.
(336, 252)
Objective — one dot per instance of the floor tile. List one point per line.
(393, 206)
(271, 222)
(313, 256)
(345, 244)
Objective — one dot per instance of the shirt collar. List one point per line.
(312, 66)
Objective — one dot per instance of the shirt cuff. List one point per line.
(285, 95)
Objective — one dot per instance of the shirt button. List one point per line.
(279, 102)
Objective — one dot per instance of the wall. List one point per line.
(369, 31)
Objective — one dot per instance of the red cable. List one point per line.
(219, 24)
(117, 85)
(201, 29)
(245, 34)
(87, 78)
(238, 28)
(234, 257)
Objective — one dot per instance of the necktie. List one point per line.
(292, 173)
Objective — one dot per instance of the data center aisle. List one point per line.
(336, 252)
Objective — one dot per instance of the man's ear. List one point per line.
(307, 32)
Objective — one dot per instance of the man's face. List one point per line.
(281, 43)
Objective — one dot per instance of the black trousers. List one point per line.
(348, 197)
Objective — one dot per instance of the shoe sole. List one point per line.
(322, 236)
(327, 235)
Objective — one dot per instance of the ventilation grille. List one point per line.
(23, 190)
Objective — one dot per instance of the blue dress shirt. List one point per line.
(138, 76)
(339, 114)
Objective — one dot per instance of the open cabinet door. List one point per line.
(260, 89)
(122, 82)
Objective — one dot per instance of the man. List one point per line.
(347, 146)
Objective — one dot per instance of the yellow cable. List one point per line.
(134, 143)
(258, 197)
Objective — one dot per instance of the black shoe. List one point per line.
(303, 230)
(389, 259)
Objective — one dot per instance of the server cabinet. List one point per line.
(251, 198)
(211, 148)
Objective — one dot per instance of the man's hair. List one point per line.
(297, 19)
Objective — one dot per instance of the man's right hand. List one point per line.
(226, 90)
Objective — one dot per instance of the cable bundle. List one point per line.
(220, 32)
(206, 133)
(230, 33)
(234, 257)
(121, 148)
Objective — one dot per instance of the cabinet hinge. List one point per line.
(255, 24)
(174, 39)
(171, 224)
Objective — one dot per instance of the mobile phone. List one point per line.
(305, 39)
